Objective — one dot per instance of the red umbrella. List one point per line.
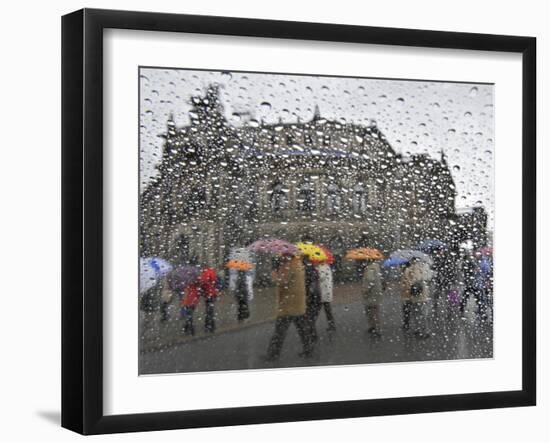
(330, 257)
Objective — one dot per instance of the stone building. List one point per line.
(220, 186)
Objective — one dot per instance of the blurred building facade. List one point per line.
(220, 186)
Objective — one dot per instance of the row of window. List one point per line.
(306, 200)
(279, 199)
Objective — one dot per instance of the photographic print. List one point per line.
(301, 220)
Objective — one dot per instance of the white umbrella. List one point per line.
(242, 254)
(151, 271)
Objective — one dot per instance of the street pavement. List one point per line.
(243, 346)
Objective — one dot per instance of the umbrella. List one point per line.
(151, 271)
(239, 265)
(241, 254)
(330, 257)
(486, 264)
(273, 246)
(394, 261)
(313, 252)
(403, 256)
(364, 254)
(486, 251)
(431, 245)
(183, 276)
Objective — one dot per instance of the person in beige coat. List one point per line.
(415, 290)
(289, 277)
(373, 292)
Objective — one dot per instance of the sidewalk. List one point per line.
(158, 335)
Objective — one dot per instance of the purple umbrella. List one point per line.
(274, 246)
(182, 277)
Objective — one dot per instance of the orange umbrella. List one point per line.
(240, 265)
(364, 254)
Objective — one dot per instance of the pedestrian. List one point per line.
(444, 278)
(324, 272)
(415, 294)
(166, 297)
(209, 289)
(289, 278)
(486, 267)
(373, 292)
(313, 299)
(242, 291)
(189, 302)
(473, 283)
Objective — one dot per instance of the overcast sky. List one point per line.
(415, 116)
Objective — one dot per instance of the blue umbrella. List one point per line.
(486, 265)
(151, 271)
(394, 261)
(403, 256)
(431, 245)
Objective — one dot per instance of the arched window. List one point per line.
(278, 198)
(359, 199)
(305, 197)
(334, 198)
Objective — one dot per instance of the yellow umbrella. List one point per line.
(364, 254)
(240, 265)
(312, 251)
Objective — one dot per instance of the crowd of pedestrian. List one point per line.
(304, 289)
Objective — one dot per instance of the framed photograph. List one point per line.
(270, 221)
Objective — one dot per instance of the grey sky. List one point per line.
(415, 116)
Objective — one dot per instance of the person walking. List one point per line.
(166, 297)
(324, 272)
(289, 278)
(209, 289)
(189, 302)
(205, 287)
(242, 291)
(472, 283)
(373, 292)
(313, 299)
(444, 278)
(415, 294)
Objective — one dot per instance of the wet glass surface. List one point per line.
(293, 220)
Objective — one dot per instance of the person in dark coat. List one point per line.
(470, 278)
(313, 299)
(242, 296)
(444, 276)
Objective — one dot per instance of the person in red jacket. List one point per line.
(209, 285)
(189, 302)
(206, 286)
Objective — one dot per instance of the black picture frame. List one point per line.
(82, 218)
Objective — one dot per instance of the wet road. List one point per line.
(451, 337)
